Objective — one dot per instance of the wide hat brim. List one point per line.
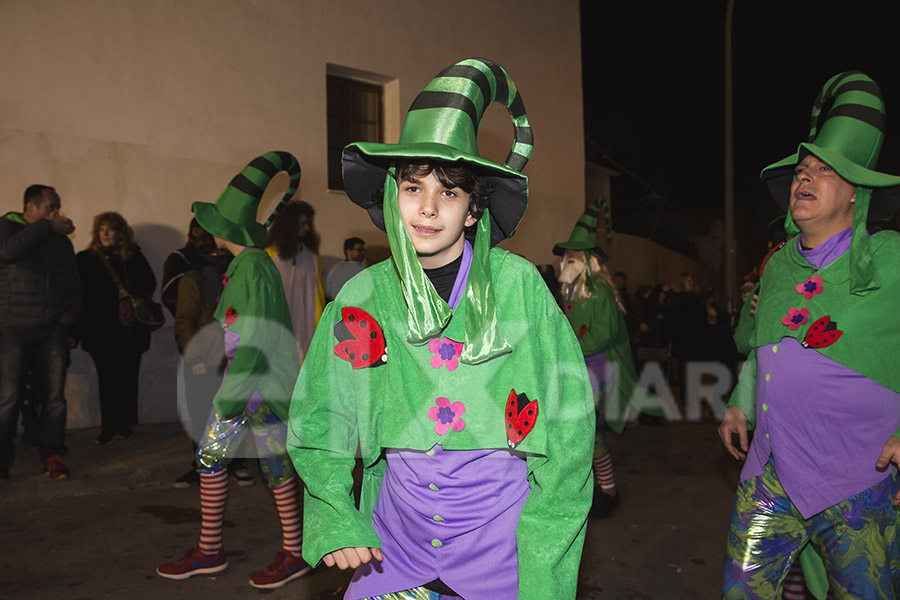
(885, 188)
(211, 220)
(561, 248)
(365, 165)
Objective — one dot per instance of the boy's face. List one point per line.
(435, 218)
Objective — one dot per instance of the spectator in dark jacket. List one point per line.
(199, 245)
(115, 348)
(39, 297)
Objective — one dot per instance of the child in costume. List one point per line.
(820, 384)
(596, 315)
(262, 369)
(453, 370)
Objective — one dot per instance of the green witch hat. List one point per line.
(847, 132)
(442, 124)
(233, 216)
(584, 234)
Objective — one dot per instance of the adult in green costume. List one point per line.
(820, 386)
(596, 315)
(454, 372)
(255, 391)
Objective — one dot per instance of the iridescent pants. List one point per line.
(223, 436)
(857, 539)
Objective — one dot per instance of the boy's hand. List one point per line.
(351, 557)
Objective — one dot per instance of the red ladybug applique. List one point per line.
(231, 316)
(361, 340)
(521, 413)
(822, 333)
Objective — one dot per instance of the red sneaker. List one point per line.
(193, 563)
(285, 569)
(55, 468)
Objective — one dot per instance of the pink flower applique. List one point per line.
(796, 317)
(811, 287)
(447, 416)
(568, 307)
(446, 352)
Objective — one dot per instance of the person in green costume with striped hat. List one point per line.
(452, 369)
(820, 386)
(596, 313)
(260, 374)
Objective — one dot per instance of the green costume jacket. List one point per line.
(255, 315)
(348, 397)
(866, 322)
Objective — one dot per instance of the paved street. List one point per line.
(102, 533)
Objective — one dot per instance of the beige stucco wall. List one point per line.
(145, 106)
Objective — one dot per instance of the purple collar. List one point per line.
(462, 276)
(826, 252)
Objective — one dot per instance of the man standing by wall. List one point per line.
(353, 263)
(40, 296)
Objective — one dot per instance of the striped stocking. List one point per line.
(291, 525)
(213, 494)
(603, 472)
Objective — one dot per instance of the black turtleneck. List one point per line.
(443, 278)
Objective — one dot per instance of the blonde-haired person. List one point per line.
(115, 349)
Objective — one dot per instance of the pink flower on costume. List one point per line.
(447, 416)
(811, 287)
(446, 352)
(795, 318)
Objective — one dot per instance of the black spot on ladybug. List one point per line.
(351, 318)
(520, 432)
(530, 412)
(365, 357)
(525, 423)
(362, 323)
(352, 356)
(509, 413)
(509, 426)
(373, 335)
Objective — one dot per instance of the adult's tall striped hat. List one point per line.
(442, 123)
(584, 234)
(846, 131)
(233, 216)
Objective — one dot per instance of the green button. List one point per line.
(438, 518)
(434, 487)
(774, 348)
(765, 407)
(767, 436)
(768, 377)
(436, 543)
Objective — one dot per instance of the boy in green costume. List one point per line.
(820, 384)
(262, 368)
(454, 372)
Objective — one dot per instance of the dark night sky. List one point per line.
(654, 89)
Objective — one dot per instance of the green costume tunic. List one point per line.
(867, 320)
(252, 306)
(348, 395)
(599, 326)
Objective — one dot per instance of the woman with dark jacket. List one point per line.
(115, 349)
